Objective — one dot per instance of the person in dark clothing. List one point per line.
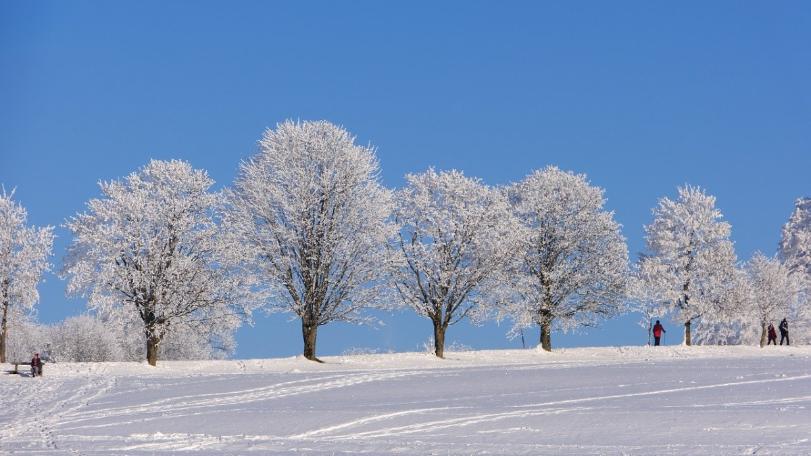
(658, 329)
(36, 366)
(772, 335)
(784, 332)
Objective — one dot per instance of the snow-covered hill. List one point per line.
(628, 400)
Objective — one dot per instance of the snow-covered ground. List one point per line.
(629, 400)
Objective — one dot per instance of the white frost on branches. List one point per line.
(646, 296)
(456, 235)
(571, 265)
(692, 255)
(795, 245)
(150, 248)
(776, 293)
(84, 338)
(310, 217)
(729, 323)
(24, 254)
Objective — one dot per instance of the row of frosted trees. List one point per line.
(307, 228)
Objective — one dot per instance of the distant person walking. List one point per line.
(658, 329)
(36, 366)
(772, 335)
(784, 332)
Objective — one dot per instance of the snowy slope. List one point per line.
(634, 400)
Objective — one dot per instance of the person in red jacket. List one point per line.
(772, 335)
(36, 366)
(658, 329)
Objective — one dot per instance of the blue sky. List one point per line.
(641, 96)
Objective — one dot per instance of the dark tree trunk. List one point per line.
(688, 340)
(439, 339)
(546, 330)
(764, 334)
(3, 333)
(152, 346)
(546, 335)
(309, 332)
(153, 336)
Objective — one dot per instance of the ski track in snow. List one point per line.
(213, 400)
(585, 401)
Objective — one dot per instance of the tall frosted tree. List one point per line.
(309, 216)
(694, 259)
(795, 244)
(150, 248)
(775, 291)
(572, 260)
(456, 236)
(24, 254)
(645, 295)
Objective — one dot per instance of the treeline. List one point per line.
(171, 268)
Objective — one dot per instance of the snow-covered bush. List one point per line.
(187, 342)
(727, 332)
(354, 351)
(457, 346)
(197, 342)
(428, 345)
(84, 339)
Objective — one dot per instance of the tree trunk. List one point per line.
(546, 330)
(546, 335)
(152, 346)
(439, 339)
(3, 333)
(688, 340)
(309, 332)
(764, 335)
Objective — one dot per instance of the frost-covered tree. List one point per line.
(729, 323)
(150, 246)
(84, 339)
(795, 245)
(572, 260)
(693, 257)
(309, 216)
(645, 296)
(775, 292)
(456, 235)
(24, 253)
(28, 336)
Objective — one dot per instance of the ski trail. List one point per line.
(536, 409)
(368, 419)
(41, 406)
(435, 425)
(780, 401)
(208, 401)
(669, 390)
(189, 399)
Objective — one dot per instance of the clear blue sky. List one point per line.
(641, 96)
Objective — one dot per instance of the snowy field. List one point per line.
(640, 400)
